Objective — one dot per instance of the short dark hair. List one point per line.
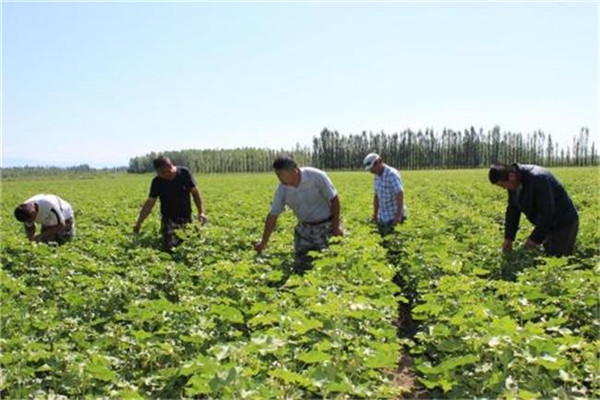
(161, 161)
(499, 173)
(284, 162)
(24, 212)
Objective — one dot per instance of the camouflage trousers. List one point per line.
(309, 237)
(168, 229)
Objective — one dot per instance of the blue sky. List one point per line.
(99, 83)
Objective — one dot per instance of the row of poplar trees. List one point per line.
(406, 150)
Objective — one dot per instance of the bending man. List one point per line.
(540, 196)
(54, 214)
(310, 194)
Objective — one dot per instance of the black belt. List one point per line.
(322, 221)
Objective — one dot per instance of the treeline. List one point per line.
(406, 150)
(77, 171)
(222, 160)
(451, 149)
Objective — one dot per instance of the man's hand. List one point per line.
(202, 219)
(530, 244)
(507, 246)
(144, 212)
(259, 246)
(337, 231)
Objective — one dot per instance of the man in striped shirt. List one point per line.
(389, 208)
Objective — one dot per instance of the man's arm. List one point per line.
(400, 212)
(375, 207)
(511, 223)
(199, 206)
(335, 216)
(144, 212)
(277, 208)
(396, 183)
(270, 223)
(30, 232)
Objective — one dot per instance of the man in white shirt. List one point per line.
(54, 214)
(311, 195)
(389, 208)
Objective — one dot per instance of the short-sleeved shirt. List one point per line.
(387, 187)
(52, 210)
(310, 201)
(174, 194)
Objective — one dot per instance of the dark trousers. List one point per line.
(387, 227)
(66, 233)
(168, 227)
(561, 242)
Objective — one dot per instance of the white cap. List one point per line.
(370, 160)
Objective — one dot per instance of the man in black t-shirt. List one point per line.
(173, 185)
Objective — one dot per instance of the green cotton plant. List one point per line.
(110, 315)
(494, 325)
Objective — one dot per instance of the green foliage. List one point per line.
(108, 315)
(493, 324)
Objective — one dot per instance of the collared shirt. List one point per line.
(310, 201)
(543, 200)
(52, 210)
(387, 187)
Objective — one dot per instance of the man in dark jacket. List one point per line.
(534, 191)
